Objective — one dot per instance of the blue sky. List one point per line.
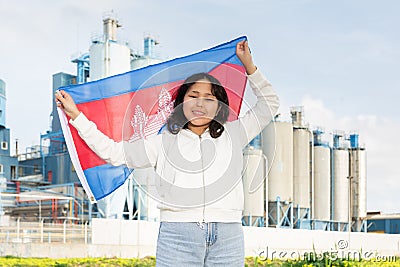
(340, 59)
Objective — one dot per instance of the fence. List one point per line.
(40, 232)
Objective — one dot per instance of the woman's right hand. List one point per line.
(66, 103)
(244, 55)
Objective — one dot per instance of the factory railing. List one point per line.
(40, 232)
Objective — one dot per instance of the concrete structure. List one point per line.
(257, 239)
(128, 239)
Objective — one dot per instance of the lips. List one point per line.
(198, 113)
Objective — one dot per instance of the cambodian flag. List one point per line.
(136, 104)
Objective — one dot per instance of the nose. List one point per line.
(199, 102)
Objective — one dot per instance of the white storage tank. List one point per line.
(358, 174)
(254, 185)
(322, 182)
(141, 62)
(277, 145)
(301, 168)
(340, 182)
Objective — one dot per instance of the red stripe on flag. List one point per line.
(113, 116)
(233, 79)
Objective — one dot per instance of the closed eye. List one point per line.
(206, 99)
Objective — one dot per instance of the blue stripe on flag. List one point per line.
(166, 72)
(105, 179)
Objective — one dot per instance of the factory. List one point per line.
(306, 181)
(309, 184)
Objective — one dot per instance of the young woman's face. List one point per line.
(199, 105)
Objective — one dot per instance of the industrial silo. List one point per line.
(254, 184)
(148, 57)
(301, 165)
(358, 176)
(340, 180)
(107, 56)
(277, 145)
(322, 179)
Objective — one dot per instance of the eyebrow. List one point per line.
(197, 92)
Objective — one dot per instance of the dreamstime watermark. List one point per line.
(342, 252)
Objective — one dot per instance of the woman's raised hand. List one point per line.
(66, 103)
(243, 53)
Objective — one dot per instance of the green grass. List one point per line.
(150, 261)
(83, 262)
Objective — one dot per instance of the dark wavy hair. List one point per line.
(177, 119)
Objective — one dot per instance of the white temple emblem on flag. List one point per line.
(144, 126)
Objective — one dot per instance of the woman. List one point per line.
(198, 162)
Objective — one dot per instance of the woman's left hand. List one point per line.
(243, 53)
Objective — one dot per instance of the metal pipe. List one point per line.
(350, 203)
(106, 58)
(311, 173)
(34, 196)
(42, 156)
(86, 237)
(139, 204)
(41, 231)
(65, 232)
(265, 188)
(18, 228)
(332, 185)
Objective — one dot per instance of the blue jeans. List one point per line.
(200, 244)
